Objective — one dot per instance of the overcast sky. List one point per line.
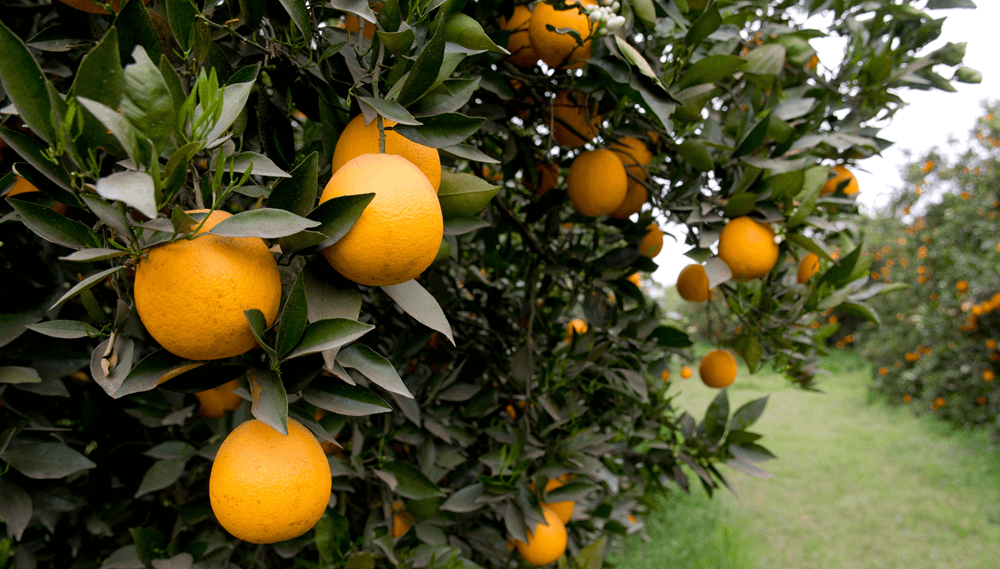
(927, 121)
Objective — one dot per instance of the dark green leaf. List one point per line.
(945, 4)
(100, 78)
(44, 460)
(132, 188)
(258, 164)
(149, 542)
(410, 482)
(343, 399)
(258, 324)
(18, 375)
(468, 153)
(33, 153)
(153, 370)
(464, 501)
(753, 138)
(814, 179)
(464, 225)
(65, 329)
(372, 365)
(336, 216)
(740, 204)
(424, 73)
(464, 195)
(270, 402)
(294, 317)
(120, 128)
(90, 255)
(711, 69)
(25, 84)
(704, 26)
(146, 101)
(15, 507)
(323, 335)
(439, 131)
(85, 284)
(860, 310)
(767, 59)
(182, 15)
(695, 153)
(591, 556)
(300, 15)
(670, 337)
(13, 325)
(172, 449)
(266, 223)
(467, 32)
(136, 28)
(748, 414)
(418, 303)
(747, 468)
(390, 110)
(297, 193)
(807, 244)
(449, 97)
(54, 227)
(716, 417)
(161, 475)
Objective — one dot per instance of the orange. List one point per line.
(634, 155)
(400, 520)
(808, 267)
(399, 234)
(22, 186)
(718, 368)
(518, 42)
(351, 24)
(572, 113)
(988, 375)
(267, 487)
(960, 286)
(842, 175)
(665, 375)
(635, 279)
(748, 248)
(548, 178)
(635, 197)
(216, 401)
(575, 326)
(652, 242)
(547, 543)
(692, 283)
(597, 183)
(191, 294)
(561, 50)
(358, 139)
(562, 509)
(813, 62)
(686, 372)
(94, 8)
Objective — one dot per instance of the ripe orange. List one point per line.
(562, 509)
(191, 294)
(351, 24)
(635, 279)
(988, 375)
(961, 286)
(842, 175)
(686, 372)
(692, 283)
(547, 543)
(94, 8)
(398, 234)
(665, 375)
(748, 248)
(652, 242)
(572, 113)
(518, 42)
(634, 155)
(718, 368)
(635, 197)
(813, 62)
(216, 401)
(561, 50)
(548, 178)
(808, 267)
(883, 370)
(22, 186)
(266, 487)
(358, 139)
(400, 520)
(575, 326)
(597, 183)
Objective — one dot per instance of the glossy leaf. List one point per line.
(25, 84)
(33, 153)
(351, 400)
(439, 131)
(265, 223)
(182, 15)
(326, 334)
(270, 402)
(15, 507)
(466, 32)
(424, 72)
(44, 460)
(464, 195)
(65, 329)
(161, 475)
(146, 100)
(132, 188)
(297, 193)
(390, 110)
(418, 303)
(410, 482)
(85, 284)
(100, 78)
(258, 325)
(373, 366)
(294, 318)
(155, 369)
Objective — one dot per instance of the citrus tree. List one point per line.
(937, 350)
(289, 282)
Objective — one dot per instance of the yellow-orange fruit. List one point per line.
(808, 267)
(634, 155)
(561, 50)
(351, 24)
(748, 248)
(518, 42)
(718, 368)
(692, 283)
(548, 178)
(216, 401)
(575, 326)
(562, 509)
(597, 183)
(635, 197)
(686, 372)
(358, 139)
(842, 175)
(652, 242)
(575, 123)
(547, 543)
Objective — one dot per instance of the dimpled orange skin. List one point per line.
(635, 197)
(399, 234)
(748, 248)
(718, 369)
(357, 139)
(597, 183)
(215, 402)
(266, 487)
(561, 50)
(562, 509)
(191, 294)
(652, 242)
(518, 43)
(634, 155)
(842, 174)
(692, 283)
(807, 268)
(547, 543)
(571, 107)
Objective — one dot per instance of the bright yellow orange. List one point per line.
(216, 401)
(547, 543)
(191, 294)
(635, 279)
(94, 8)
(665, 375)
(988, 375)
(358, 139)
(575, 326)
(842, 175)
(597, 183)
(961, 286)
(266, 487)
(808, 267)
(692, 283)
(575, 122)
(748, 248)
(562, 509)
(518, 42)
(634, 155)
(635, 197)
(718, 368)
(561, 50)
(686, 372)
(399, 234)
(652, 242)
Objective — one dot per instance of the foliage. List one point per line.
(132, 119)
(937, 343)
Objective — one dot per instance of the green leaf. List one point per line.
(265, 223)
(149, 542)
(768, 59)
(715, 417)
(632, 56)
(258, 164)
(968, 75)
(270, 402)
(294, 317)
(147, 103)
(13, 325)
(696, 153)
(418, 303)
(65, 329)
(390, 110)
(25, 84)
(16, 375)
(351, 400)
(753, 138)
(91, 255)
(109, 215)
(116, 123)
(645, 10)
(15, 507)
(468, 152)
(172, 449)
(338, 215)
(670, 337)
(592, 556)
(704, 26)
(297, 193)
(182, 15)
(464, 225)
(136, 28)
(439, 131)
(44, 460)
(372, 365)
(747, 468)
(464, 195)
(323, 335)
(131, 187)
(464, 500)
(399, 42)
(860, 310)
(161, 475)
(424, 73)
(740, 204)
(410, 482)
(945, 4)
(258, 324)
(814, 179)
(300, 15)
(807, 244)
(154, 369)
(466, 32)
(54, 227)
(33, 152)
(711, 69)
(752, 352)
(840, 274)
(99, 78)
(448, 97)
(234, 99)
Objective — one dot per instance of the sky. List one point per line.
(929, 119)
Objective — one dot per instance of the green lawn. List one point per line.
(858, 484)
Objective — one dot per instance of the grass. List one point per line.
(859, 484)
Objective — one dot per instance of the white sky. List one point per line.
(927, 121)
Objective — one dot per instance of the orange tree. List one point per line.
(937, 349)
(204, 256)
